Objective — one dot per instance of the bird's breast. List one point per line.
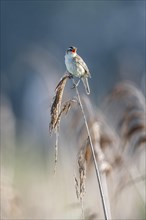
(73, 68)
(70, 65)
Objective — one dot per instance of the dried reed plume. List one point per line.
(55, 108)
(80, 184)
(56, 112)
(130, 124)
(65, 109)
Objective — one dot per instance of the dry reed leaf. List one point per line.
(55, 108)
(65, 109)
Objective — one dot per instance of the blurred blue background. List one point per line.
(110, 36)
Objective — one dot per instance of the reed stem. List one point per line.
(94, 157)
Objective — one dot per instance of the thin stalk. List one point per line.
(82, 204)
(94, 157)
(105, 187)
(56, 150)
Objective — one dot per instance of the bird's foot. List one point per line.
(76, 84)
(70, 76)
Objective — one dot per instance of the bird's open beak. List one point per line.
(74, 50)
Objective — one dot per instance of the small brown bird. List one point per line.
(77, 67)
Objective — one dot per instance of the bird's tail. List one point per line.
(86, 85)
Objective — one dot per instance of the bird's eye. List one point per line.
(71, 49)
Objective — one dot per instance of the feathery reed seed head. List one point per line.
(55, 108)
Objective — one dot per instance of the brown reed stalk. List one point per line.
(94, 156)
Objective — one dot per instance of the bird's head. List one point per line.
(72, 51)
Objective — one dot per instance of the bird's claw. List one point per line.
(74, 85)
(70, 76)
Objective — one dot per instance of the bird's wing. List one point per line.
(80, 61)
